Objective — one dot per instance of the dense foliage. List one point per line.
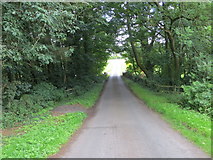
(167, 41)
(49, 48)
(54, 42)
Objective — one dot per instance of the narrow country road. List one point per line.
(123, 127)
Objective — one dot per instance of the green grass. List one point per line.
(193, 125)
(89, 98)
(44, 137)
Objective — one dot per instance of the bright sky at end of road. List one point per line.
(115, 67)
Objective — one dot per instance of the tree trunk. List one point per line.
(176, 61)
(134, 51)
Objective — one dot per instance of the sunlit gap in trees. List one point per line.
(115, 67)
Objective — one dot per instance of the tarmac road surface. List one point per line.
(123, 127)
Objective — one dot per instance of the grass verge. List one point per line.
(193, 125)
(44, 135)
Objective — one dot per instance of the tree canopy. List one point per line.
(68, 44)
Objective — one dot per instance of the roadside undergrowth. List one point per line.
(193, 125)
(89, 98)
